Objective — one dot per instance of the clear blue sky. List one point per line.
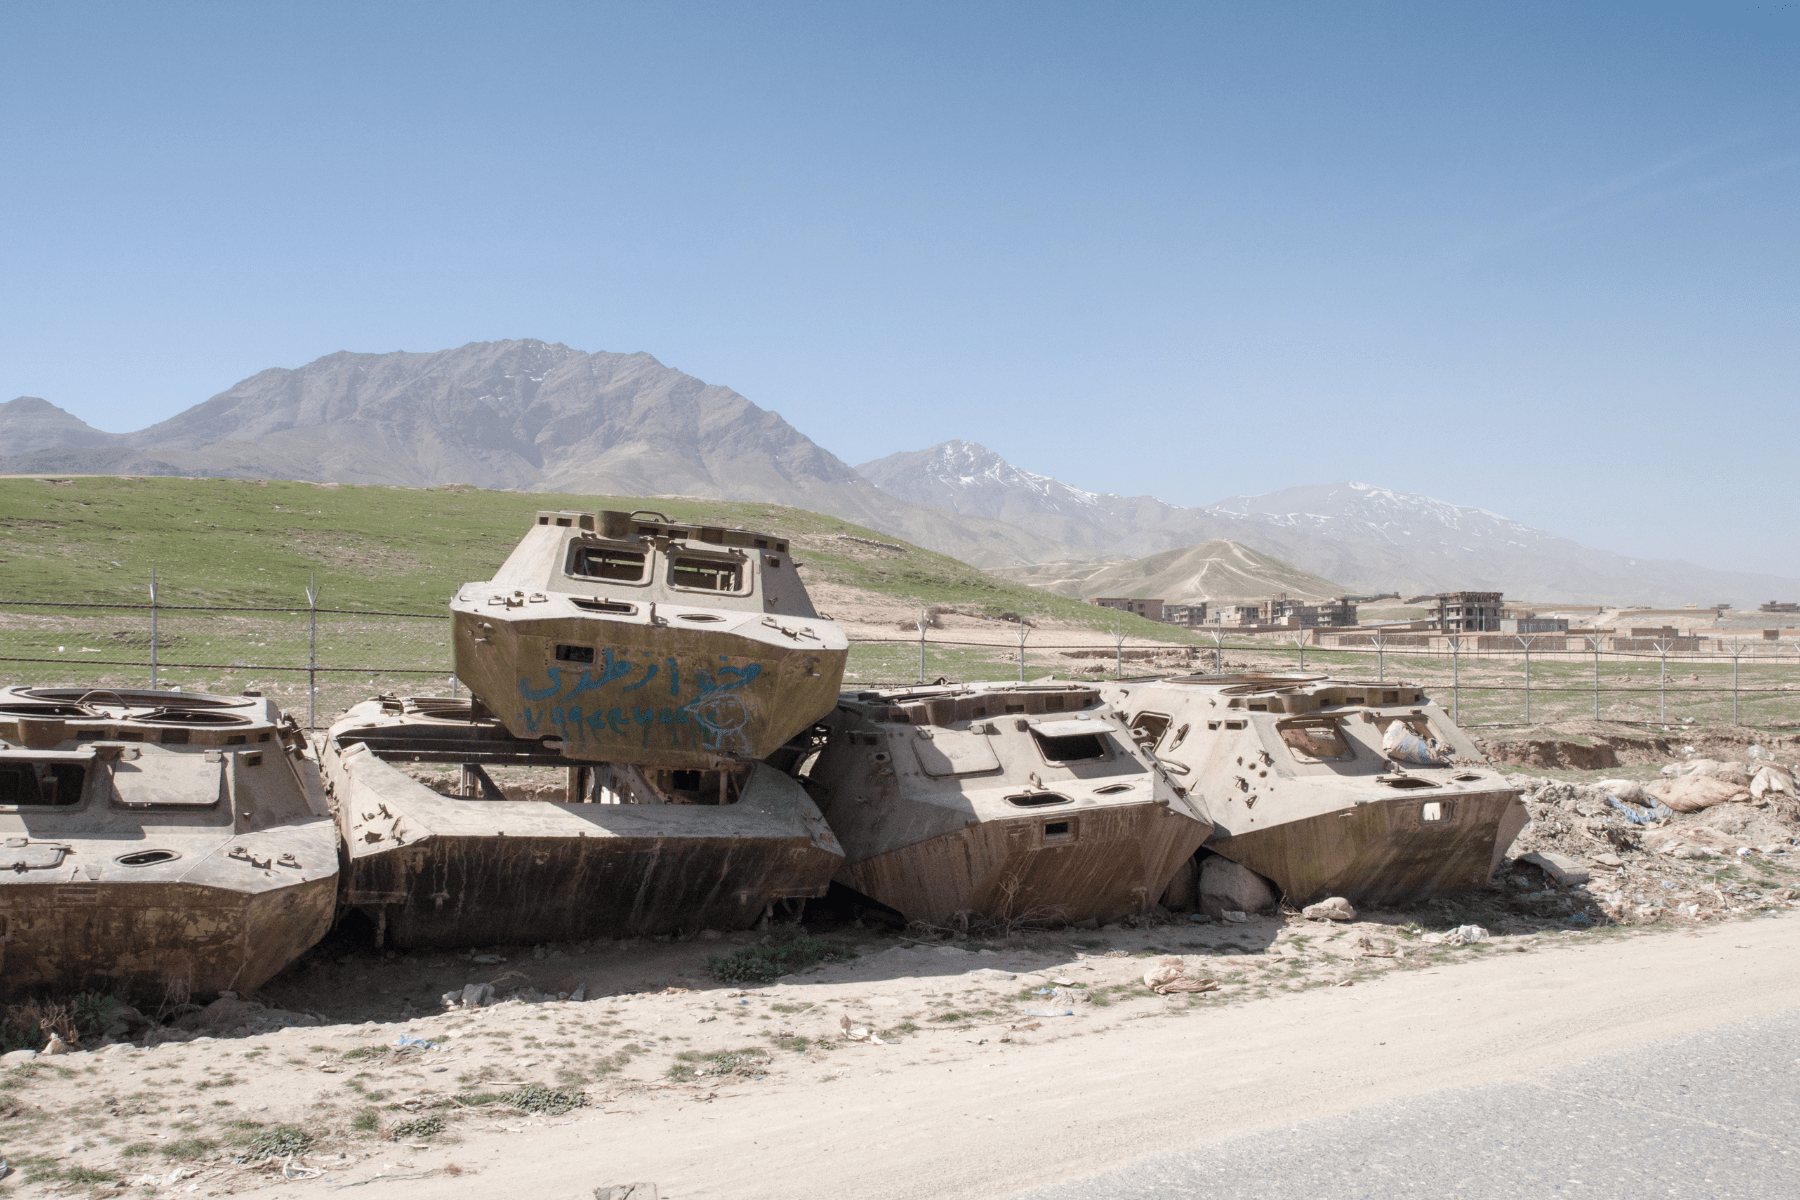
(1540, 258)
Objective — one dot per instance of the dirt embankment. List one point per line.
(1600, 746)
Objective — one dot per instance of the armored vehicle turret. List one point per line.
(1012, 802)
(631, 638)
(1327, 787)
(157, 844)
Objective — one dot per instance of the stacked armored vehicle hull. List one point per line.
(1010, 802)
(1330, 788)
(628, 851)
(157, 844)
(630, 638)
(657, 662)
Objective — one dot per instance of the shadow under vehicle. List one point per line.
(157, 844)
(1024, 802)
(1308, 783)
(631, 638)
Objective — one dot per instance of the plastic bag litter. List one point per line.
(1695, 792)
(1772, 778)
(1637, 816)
(1462, 935)
(859, 1033)
(1402, 744)
(1049, 1012)
(402, 1042)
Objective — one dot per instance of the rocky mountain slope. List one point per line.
(30, 423)
(525, 415)
(1214, 571)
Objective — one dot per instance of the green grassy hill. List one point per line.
(253, 542)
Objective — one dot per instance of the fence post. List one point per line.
(1219, 648)
(312, 650)
(1118, 648)
(1022, 648)
(1300, 644)
(922, 645)
(1737, 648)
(1593, 641)
(1380, 656)
(1526, 642)
(1456, 679)
(153, 629)
(1662, 684)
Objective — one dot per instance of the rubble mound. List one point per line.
(1649, 859)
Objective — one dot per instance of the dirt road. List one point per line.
(996, 1118)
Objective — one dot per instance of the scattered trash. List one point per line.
(1237, 918)
(1403, 745)
(56, 1045)
(580, 993)
(402, 1042)
(1691, 793)
(859, 1033)
(1771, 780)
(1462, 935)
(1049, 1012)
(1335, 909)
(1170, 976)
(1636, 816)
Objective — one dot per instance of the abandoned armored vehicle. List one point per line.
(1011, 802)
(617, 850)
(1330, 788)
(157, 845)
(631, 638)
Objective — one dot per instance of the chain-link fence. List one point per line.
(314, 661)
(1750, 682)
(317, 661)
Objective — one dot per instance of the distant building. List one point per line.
(1780, 606)
(1150, 609)
(1337, 613)
(1236, 614)
(1185, 614)
(1468, 612)
(1278, 609)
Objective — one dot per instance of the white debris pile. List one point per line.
(1706, 840)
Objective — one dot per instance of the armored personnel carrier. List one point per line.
(1330, 788)
(631, 638)
(1026, 802)
(157, 844)
(628, 850)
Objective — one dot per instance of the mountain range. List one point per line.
(537, 416)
